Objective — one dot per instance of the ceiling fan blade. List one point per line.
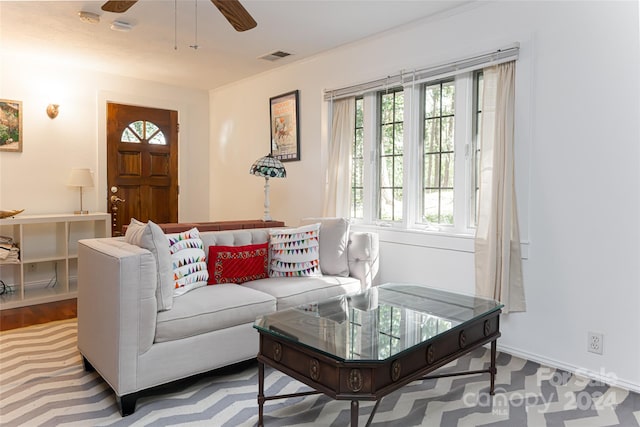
(118, 6)
(236, 14)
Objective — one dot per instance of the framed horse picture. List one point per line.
(285, 126)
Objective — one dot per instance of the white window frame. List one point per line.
(412, 158)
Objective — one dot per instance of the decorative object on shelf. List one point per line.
(53, 110)
(10, 125)
(8, 214)
(268, 167)
(80, 177)
(9, 251)
(285, 127)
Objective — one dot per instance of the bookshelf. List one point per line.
(48, 255)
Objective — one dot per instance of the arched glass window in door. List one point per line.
(143, 131)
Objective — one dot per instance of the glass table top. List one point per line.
(376, 324)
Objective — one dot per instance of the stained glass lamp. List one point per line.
(268, 167)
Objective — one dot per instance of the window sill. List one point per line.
(434, 239)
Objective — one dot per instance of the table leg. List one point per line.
(493, 368)
(260, 393)
(355, 409)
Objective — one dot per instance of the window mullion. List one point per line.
(370, 154)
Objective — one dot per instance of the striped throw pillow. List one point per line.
(189, 261)
(294, 252)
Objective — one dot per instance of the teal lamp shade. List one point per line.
(268, 167)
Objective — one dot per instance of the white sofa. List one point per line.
(134, 347)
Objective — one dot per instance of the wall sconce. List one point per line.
(52, 110)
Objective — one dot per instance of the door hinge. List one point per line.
(177, 127)
(178, 189)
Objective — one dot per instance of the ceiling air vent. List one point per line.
(274, 56)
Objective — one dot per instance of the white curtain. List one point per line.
(338, 192)
(498, 260)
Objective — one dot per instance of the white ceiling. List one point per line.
(301, 27)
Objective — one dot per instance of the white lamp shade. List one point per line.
(80, 177)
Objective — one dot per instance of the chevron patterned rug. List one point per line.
(42, 383)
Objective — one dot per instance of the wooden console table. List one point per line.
(178, 227)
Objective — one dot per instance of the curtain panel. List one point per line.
(498, 260)
(337, 194)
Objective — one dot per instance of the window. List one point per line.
(414, 155)
(143, 130)
(390, 158)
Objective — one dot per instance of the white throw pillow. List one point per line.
(188, 261)
(151, 237)
(294, 252)
(334, 241)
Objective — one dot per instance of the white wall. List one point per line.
(36, 178)
(577, 152)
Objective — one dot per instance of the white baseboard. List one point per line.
(597, 376)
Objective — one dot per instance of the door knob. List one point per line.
(115, 199)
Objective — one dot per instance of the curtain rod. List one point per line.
(455, 67)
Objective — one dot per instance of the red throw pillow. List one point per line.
(238, 264)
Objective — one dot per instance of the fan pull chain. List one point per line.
(175, 24)
(195, 46)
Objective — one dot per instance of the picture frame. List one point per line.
(10, 125)
(285, 126)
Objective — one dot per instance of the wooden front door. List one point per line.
(142, 165)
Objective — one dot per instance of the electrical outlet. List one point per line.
(32, 268)
(595, 342)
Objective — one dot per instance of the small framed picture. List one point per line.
(10, 125)
(285, 127)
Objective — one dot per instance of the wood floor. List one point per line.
(36, 314)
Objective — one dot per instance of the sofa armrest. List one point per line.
(363, 255)
(117, 308)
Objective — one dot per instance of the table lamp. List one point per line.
(80, 177)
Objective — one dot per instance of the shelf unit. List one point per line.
(48, 266)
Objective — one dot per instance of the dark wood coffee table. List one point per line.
(364, 346)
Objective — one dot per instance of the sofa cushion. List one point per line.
(211, 308)
(294, 252)
(150, 237)
(188, 261)
(293, 291)
(238, 264)
(334, 241)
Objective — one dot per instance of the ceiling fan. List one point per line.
(235, 13)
